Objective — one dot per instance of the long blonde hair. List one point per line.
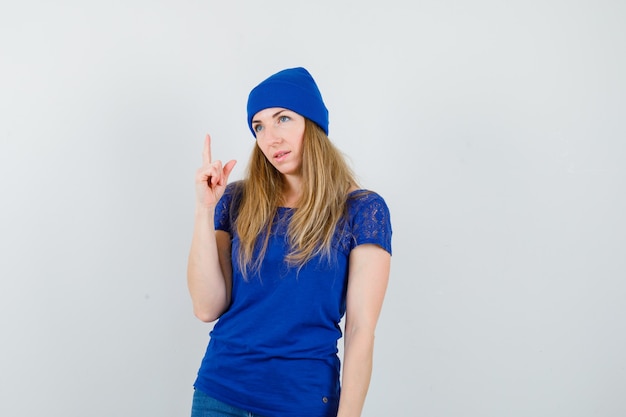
(326, 181)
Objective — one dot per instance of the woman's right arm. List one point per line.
(209, 270)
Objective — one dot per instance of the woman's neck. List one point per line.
(292, 191)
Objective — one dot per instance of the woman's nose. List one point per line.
(270, 134)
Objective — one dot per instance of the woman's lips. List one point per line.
(279, 156)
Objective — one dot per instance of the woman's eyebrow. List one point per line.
(273, 115)
(277, 113)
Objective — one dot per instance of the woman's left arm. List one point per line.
(367, 283)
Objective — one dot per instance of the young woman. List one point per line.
(279, 258)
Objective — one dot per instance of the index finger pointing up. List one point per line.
(206, 153)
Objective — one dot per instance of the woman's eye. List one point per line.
(258, 128)
(284, 119)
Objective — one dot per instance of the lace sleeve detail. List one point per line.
(371, 220)
(226, 208)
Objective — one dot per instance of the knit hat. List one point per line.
(293, 89)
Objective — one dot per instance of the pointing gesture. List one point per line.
(211, 177)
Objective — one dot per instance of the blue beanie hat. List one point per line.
(292, 89)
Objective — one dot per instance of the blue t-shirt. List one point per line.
(274, 351)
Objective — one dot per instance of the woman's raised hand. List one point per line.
(211, 177)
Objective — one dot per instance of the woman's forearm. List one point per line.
(205, 278)
(357, 371)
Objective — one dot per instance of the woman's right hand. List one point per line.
(211, 177)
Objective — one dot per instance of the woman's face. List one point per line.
(279, 135)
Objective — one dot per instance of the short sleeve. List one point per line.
(225, 209)
(371, 220)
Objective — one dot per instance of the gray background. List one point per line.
(494, 130)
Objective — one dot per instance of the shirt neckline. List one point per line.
(283, 208)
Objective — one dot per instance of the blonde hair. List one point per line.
(326, 181)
